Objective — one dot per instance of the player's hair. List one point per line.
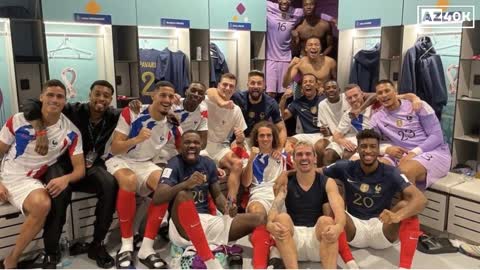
(197, 82)
(384, 81)
(332, 81)
(161, 84)
(303, 143)
(368, 134)
(314, 2)
(102, 83)
(266, 124)
(256, 72)
(315, 37)
(351, 86)
(309, 74)
(229, 76)
(190, 131)
(54, 83)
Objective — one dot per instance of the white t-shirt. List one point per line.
(266, 170)
(196, 120)
(350, 127)
(162, 133)
(331, 113)
(222, 121)
(21, 158)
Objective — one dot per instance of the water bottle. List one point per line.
(175, 263)
(176, 255)
(65, 253)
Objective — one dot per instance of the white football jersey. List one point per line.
(22, 159)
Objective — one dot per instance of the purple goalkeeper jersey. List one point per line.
(279, 31)
(406, 128)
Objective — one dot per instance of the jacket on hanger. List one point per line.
(174, 68)
(218, 64)
(365, 68)
(423, 75)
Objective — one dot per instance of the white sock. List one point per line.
(146, 249)
(127, 245)
(352, 265)
(213, 264)
(274, 253)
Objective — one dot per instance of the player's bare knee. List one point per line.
(330, 157)
(322, 223)
(183, 196)
(320, 145)
(256, 208)
(40, 204)
(347, 154)
(259, 219)
(284, 219)
(128, 182)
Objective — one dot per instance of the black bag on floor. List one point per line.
(435, 245)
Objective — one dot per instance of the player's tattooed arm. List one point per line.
(277, 203)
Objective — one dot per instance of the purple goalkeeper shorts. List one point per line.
(274, 74)
(437, 163)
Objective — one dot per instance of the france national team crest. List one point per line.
(364, 188)
(399, 123)
(262, 115)
(378, 189)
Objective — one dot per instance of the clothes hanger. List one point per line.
(432, 39)
(76, 53)
(144, 44)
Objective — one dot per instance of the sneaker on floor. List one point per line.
(470, 250)
(275, 263)
(50, 261)
(98, 253)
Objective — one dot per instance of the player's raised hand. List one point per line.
(417, 105)
(288, 93)
(176, 99)
(135, 106)
(277, 154)
(196, 179)
(144, 134)
(226, 104)
(41, 143)
(295, 61)
(239, 136)
(254, 152)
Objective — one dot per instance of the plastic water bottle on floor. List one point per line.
(176, 255)
(65, 251)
